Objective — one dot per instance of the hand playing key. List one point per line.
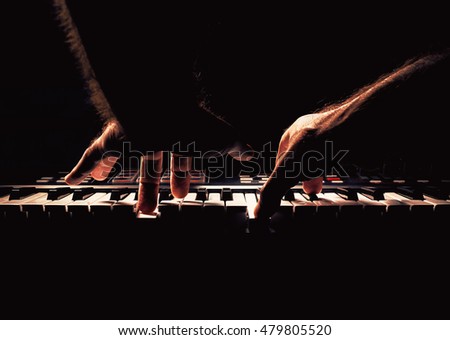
(309, 131)
(98, 162)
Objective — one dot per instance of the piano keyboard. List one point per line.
(227, 206)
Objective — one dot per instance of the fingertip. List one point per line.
(98, 177)
(148, 197)
(147, 208)
(179, 192)
(71, 180)
(313, 186)
(179, 186)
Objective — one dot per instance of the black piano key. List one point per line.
(202, 194)
(58, 193)
(289, 195)
(349, 194)
(411, 193)
(311, 197)
(82, 193)
(20, 193)
(118, 194)
(165, 195)
(372, 193)
(5, 191)
(226, 194)
(436, 192)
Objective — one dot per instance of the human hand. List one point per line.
(98, 161)
(302, 136)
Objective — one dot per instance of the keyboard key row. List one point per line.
(228, 204)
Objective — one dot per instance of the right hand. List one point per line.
(302, 136)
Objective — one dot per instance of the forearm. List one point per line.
(96, 94)
(334, 115)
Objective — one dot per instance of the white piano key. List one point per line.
(238, 204)
(372, 206)
(214, 208)
(236, 211)
(252, 201)
(61, 202)
(84, 205)
(34, 207)
(394, 205)
(14, 208)
(130, 198)
(191, 199)
(323, 200)
(127, 204)
(367, 201)
(169, 208)
(301, 200)
(30, 198)
(325, 206)
(436, 201)
(214, 201)
(102, 206)
(344, 205)
(332, 196)
(302, 206)
(191, 206)
(415, 205)
(439, 206)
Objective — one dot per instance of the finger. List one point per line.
(86, 164)
(287, 173)
(313, 186)
(276, 186)
(104, 167)
(180, 176)
(150, 176)
(94, 154)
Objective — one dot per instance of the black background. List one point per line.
(265, 66)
